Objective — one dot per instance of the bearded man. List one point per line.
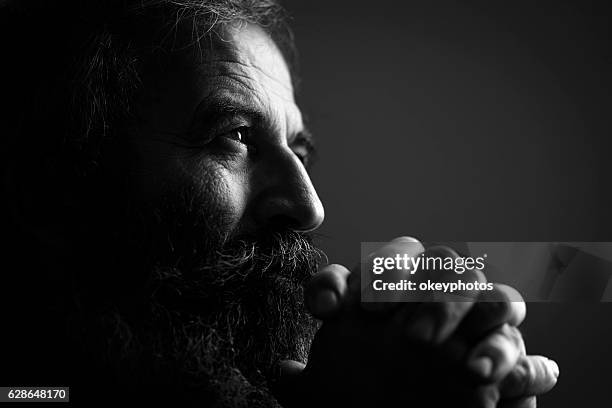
(159, 208)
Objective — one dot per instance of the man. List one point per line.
(160, 222)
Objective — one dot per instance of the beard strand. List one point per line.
(250, 293)
(212, 327)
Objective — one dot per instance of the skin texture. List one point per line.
(485, 362)
(248, 157)
(183, 142)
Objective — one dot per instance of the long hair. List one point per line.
(70, 73)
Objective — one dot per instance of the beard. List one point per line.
(198, 315)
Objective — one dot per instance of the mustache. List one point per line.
(237, 269)
(287, 251)
(250, 293)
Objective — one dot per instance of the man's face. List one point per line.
(219, 190)
(222, 124)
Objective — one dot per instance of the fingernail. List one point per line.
(482, 366)
(554, 367)
(326, 301)
(422, 328)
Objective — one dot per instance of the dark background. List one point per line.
(466, 121)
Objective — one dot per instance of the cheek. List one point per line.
(215, 187)
(221, 191)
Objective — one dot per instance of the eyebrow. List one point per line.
(217, 106)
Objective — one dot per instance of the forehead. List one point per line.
(245, 60)
(240, 62)
(248, 50)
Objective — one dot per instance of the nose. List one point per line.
(287, 197)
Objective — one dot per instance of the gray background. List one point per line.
(457, 121)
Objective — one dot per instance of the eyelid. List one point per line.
(304, 142)
(230, 123)
(243, 131)
(303, 159)
(303, 153)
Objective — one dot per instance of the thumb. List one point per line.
(325, 291)
(285, 385)
(289, 369)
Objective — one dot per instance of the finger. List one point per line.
(437, 319)
(486, 397)
(286, 385)
(494, 308)
(382, 301)
(532, 375)
(496, 355)
(457, 348)
(290, 368)
(528, 402)
(326, 290)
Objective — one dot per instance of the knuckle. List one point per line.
(338, 269)
(403, 244)
(526, 374)
(447, 311)
(406, 239)
(441, 251)
(510, 294)
(472, 275)
(517, 382)
(514, 334)
(503, 345)
(492, 312)
(499, 293)
(505, 304)
(487, 397)
(522, 376)
(479, 275)
(501, 309)
(528, 378)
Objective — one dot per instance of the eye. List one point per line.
(239, 134)
(302, 154)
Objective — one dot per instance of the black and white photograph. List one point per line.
(306, 203)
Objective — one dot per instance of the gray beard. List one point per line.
(209, 329)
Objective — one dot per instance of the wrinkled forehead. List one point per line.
(249, 50)
(239, 62)
(243, 58)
